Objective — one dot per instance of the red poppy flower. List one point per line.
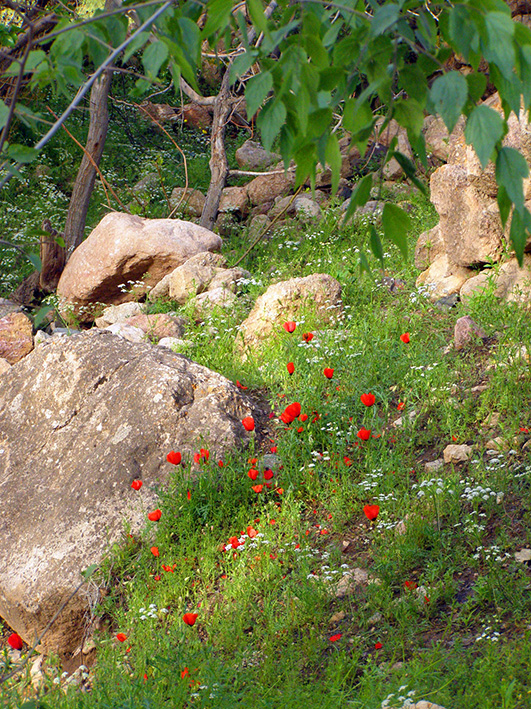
(290, 367)
(221, 463)
(15, 641)
(290, 326)
(371, 511)
(316, 417)
(401, 405)
(405, 337)
(155, 551)
(189, 495)
(122, 637)
(410, 585)
(136, 484)
(454, 438)
(364, 434)
(204, 453)
(307, 336)
(251, 532)
(253, 474)
(378, 646)
(293, 409)
(335, 638)
(328, 372)
(239, 385)
(367, 399)
(258, 488)
(347, 460)
(273, 449)
(268, 474)
(154, 516)
(190, 618)
(185, 672)
(234, 542)
(300, 429)
(248, 423)
(279, 491)
(286, 418)
(174, 458)
(303, 418)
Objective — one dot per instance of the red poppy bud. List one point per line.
(364, 434)
(155, 551)
(367, 399)
(190, 618)
(273, 449)
(268, 474)
(189, 495)
(371, 511)
(253, 474)
(405, 337)
(185, 672)
(122, 637)
(136, 484)
(15, 641)
(290, 326)
(336, 637)
(221, 463)
(290, 367)
(378, 646)
(174, 458)
(401, 405)
(248, 423)
(308, 336)
(300, 429)
(303, 418)
(328, 372)
(154, 516)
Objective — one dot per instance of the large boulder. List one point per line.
(80, 419)
(252, 156)
(288, 300)
(266, 187)
(125, 251)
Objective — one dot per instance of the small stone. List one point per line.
(175, 344)
(270, 461)
(128, 332)
(497, 444)
(457, 453)
(40, 337)
(16, 337)
(499, 498)
(119, 313)
(466, 330)
(374, 619)
(492, 420)
(337, 617)
(348, 583)
(523, 555)
(447, 302)
(423, 704)
(434, 466)
(400, 421)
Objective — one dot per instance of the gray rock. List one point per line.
(466, 330)
(252, 156)
(80, 419)
(119, 313)
(7, 306)
(127, 332)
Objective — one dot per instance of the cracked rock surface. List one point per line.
(80, 419)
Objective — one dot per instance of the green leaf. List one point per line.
(34, 260)
(360, 196)
(241, 64)
(409, 114)
(518, 233)
(511, 168)
(270, 120)
(87, 573)
(316, 51)
(364, 263)
(218, 16)
(21, 153)
(463, 33)
(499, 48)
(448, 95)
(384, 17)
(256, 91)
(477, 83)
(41, 313)
(256, 10)
(376, 244)
(396, 223)
(525, 74)
(4, 112)
(484, 128)
(415, 83)
(504, 205)
(333, 158)
(154, 57)
(134, 46)
(409, 168)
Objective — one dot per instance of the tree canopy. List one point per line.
(309, 69)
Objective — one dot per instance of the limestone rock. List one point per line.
(350, 581)
(16, 337)
(124, 249)
(191, 204)
(443, 278)
(259, 223)
(429, 247)
(157, 326)
(436, 137)
(511, 282)
(127, 332)
(228, 278)
(522, 556)
(465, 330)
(267, 187)
(306, 207)
(285, 301)
(234, 199)
(252, 156)
(4, 365)
(457, 453)
(80, 419)
(119, 313)
(193, 276)
(213, 298)
(8, 306)
(434, 466)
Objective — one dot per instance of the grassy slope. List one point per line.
(270, 630)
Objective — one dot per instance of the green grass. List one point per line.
(445, 615)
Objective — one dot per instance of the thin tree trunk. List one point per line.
(86, 176)
(219, 166)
